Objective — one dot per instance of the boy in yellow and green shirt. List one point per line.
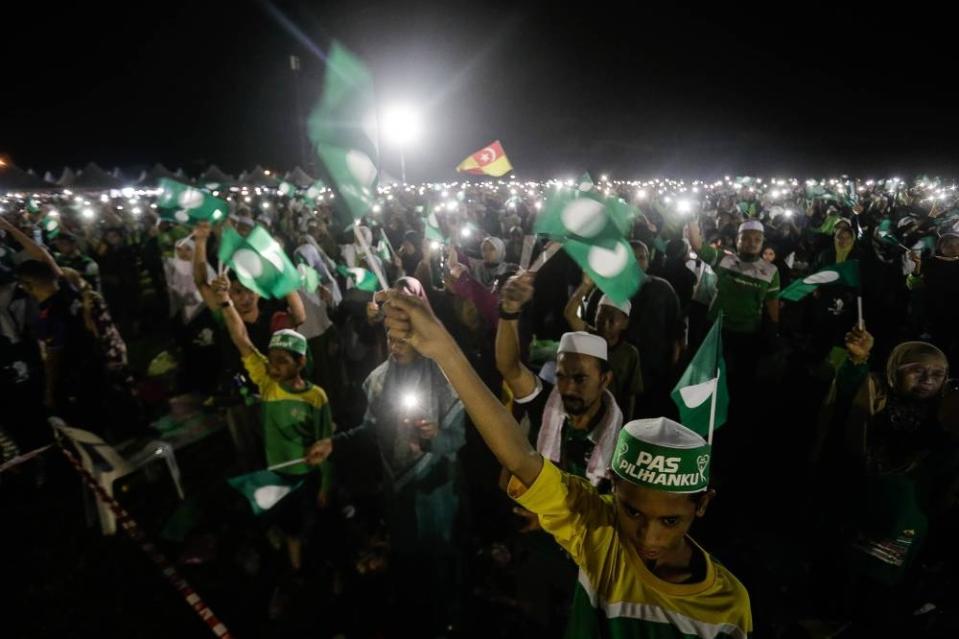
(297, 422)
(641, 575)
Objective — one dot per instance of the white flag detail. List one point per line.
(695, 395)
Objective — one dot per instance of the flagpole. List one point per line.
(862, 324)
(369, 257)
(712, 409)
(292, 462)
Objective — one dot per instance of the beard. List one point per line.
(574, 405)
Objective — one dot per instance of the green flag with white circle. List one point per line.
(259, 262)
(585, 183)
(588, 226)
(704, 377)
(188, 205)
(343, 131)
(51, 225)
(264, 489)
(845, 273)
(362, 278)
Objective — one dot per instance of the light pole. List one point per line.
(401, 126)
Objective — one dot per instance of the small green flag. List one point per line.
(363, 279)
(286, 189)
(264, 488)
(431, 226)
(704, 377)
(309, 278)
(51, 225)
(314, 192)
(343, 131)
(184, 204)
(32, 205)
(846, 273)
(259, 262)
(589, 228)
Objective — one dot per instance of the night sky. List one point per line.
(809, 91)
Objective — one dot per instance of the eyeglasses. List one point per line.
(935, 373)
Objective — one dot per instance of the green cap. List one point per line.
(663, 455)
(289, 340)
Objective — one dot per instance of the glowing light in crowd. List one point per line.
(265, 205)
(641, 194)
(434, 245)
(247, 199)
(136, 210)
(377, 208)
(401, 124)
(87, 213)
(788, 212)
(410, 401)
(466, 232)
(127, 191)
(104, 198)
(684, 206)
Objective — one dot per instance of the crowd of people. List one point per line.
(466, 440)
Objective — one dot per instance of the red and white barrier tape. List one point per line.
(133, 529)
(25, 457)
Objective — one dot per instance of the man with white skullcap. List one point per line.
(575, 422)
(746, 284)
(611, 322)
(641, 575)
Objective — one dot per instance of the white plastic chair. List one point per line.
(107, 465)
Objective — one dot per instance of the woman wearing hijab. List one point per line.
(493, 264)
(889, 456)
(832, 308)
(415, 421)
(193, 324)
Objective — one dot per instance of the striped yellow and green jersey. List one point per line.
(292, 419)
(617, 595)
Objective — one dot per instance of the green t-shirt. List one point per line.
(293, 420)
(742, 289)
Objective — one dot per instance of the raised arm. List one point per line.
(409, 319)
(575, 322)
(521, 381)
(220, 292)
(294, 304)
(33, 249)
(695, 234)
(200, 235)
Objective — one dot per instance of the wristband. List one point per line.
(506, 315)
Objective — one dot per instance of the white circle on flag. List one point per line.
(584, 217)
(361, 167)
(266, 496)
(190, 199)
(585, 186)
(247, 263)
(823, 277)
(181, 216)
(608, 263)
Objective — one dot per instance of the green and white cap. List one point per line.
(289, 340)
(752, 225)
(663, 455)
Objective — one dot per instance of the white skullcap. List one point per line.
(752, 225)
(246, 220)
(663, 431)
(625, 307)
(583, 343)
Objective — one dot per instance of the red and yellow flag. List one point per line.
(490, 160)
